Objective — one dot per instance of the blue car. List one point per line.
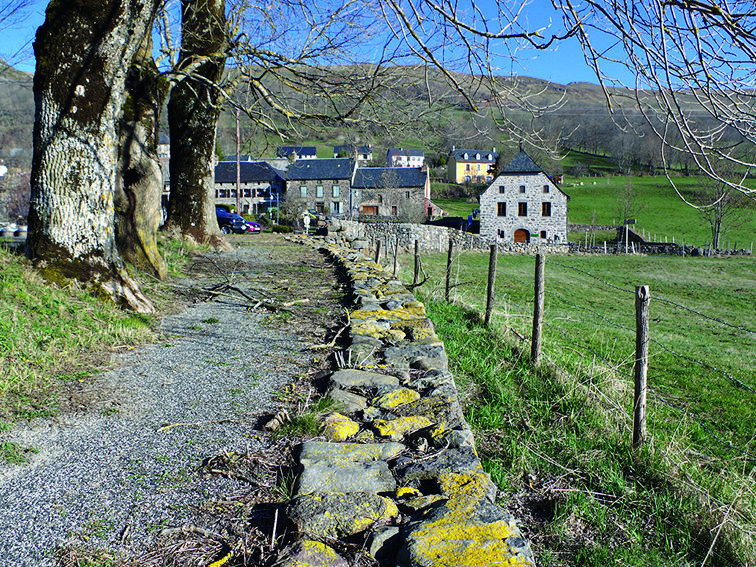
(229, 222)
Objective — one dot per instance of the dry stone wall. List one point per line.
(398, 469)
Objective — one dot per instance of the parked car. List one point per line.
(253, 226)
(229, 222)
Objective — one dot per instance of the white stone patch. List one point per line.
(79, 90)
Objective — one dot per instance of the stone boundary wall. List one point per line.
(363, 236)
(398, 471)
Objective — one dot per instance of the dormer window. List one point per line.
(477, 156)
(466, 156)
(490, 157)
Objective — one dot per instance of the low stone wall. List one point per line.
(363, 236)
(399, 468)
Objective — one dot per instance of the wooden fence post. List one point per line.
(641, 364)
(491, 283)
(447, 293)
(535, 345)
(378, 252)
(416, 273)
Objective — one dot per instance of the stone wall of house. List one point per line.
(365, 235)
(325, 200)
(506, 189)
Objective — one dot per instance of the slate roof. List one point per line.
(408, 153)
(249, 172)
(522, 163)
(459, 155)
(350, 149)
(285, 151)
(398, 177)
(308, 169)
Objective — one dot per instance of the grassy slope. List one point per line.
(582, 422)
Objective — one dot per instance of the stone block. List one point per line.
(338, 515)
(346, 477)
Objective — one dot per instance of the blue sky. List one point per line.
(564, 64)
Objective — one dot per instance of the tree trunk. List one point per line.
(193, 113)
(139, 183)
(83, 52)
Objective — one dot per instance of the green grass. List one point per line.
(699, 418)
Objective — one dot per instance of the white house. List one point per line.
(399, 157)
(523, 205)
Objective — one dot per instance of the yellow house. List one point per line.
(471, 166)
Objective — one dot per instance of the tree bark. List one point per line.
(139, 183)
(193, 113)
(83, 52)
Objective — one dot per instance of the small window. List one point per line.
(335, 208)
(406, 194)
(394, 211)
(380, 199)
(303, 192)
(546, 189)
(336, 191)
(522, 189)
(320, 207)
(543, 234)
(546, 209)
(501, 209)
(319, 191)
(501, 233)
(522, 209)
(502, 190)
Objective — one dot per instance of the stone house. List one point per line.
(399, 157)
(392, 192)
(261, 185)
(523, 205)
(323, 184)
(471, 166)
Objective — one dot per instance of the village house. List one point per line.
(523, 205)
(399, 157)
(392, 192)
(323, 184)
(294, 153)
(360, 153)
(261, 185)
(471, 166)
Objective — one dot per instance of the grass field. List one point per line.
(577, 423)
(661, 212)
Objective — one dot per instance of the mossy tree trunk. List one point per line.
(139, 183)
(83, 50)
(193, 112)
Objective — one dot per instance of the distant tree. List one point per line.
(629, 205)
(722, 207)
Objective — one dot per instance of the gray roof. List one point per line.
(459, 155)
(308, 169)
(388, 177)
(284, 151)
(249, 172)
(522, 163)
(350, 149)
(408, 153)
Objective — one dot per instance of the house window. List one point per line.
(501, 233)
(546, 189)
(319, 191)
(522, 188)
(543, 234)
(394, 211)
(303, 192)
(467, 167)
(335, 208)
(501, 209)
(336, 191)
(522, 209)
(380, 199)
(320, 207)
(546, 209)
(502, 189)
(406, 194)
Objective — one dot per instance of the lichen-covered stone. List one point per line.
(347, 379)
(338, 515)
(318, 451)
(396, 429)
(337, 427)
(466, 529)
(395, 398)
(347, 477)
(310, 553)
(451, 460)
(350, 402)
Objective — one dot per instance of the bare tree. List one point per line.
(722, 207)
(693, 66)
(84, 51)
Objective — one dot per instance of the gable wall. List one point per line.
(555, 225)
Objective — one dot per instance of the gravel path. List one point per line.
(115, 475)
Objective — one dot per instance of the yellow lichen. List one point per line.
(395, 429)
(408, 492)
(396, 398)
(337, 427)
